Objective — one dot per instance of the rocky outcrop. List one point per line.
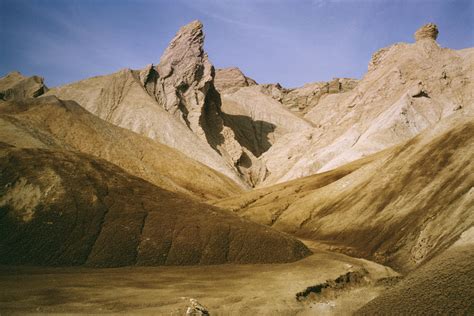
(196, 308)
(254, 133)
(183, 83)
(408, 88)
(174, 102)
(257, 121)
(427, 31)
(302, 100)
(231, 79)
(182, 79)
(120, 98)
(15, 86)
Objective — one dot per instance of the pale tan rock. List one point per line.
(276, 91)
(196, 308)
(120, 99)
(302, 100)
(244, 130)
(229, 80)
(146, 75)
(408, 88)
(184, 76)
(427, 31)
(257, 119)
(185, 87)
(174, 103)
(15, 86)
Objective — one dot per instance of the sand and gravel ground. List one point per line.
(225, 289)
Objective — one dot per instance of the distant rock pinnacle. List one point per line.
(429, 31)
(183, 83)
(184, 76)
(186, 47)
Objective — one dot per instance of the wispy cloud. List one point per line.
(273, 40)
(78, 43)
(236, 13)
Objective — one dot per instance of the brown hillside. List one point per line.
(63, 208)
(443, 286)
(48, 122)
(401, 206)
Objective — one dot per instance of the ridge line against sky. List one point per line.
(290, 42)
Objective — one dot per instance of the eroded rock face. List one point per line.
(427, 31)
(231, 79)
(181, 80)
(254, 133)
(120, 98)
(408, 88)
(15, 86)
(303, 99)
(174, 103)
(183, 84)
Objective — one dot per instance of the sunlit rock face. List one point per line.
(427, 31)
(16, 86)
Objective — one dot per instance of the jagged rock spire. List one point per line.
(181, 80)
(183, 83)
(185, 49)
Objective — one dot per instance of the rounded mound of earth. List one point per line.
(66, 208)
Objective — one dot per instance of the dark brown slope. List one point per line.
(63, 208)
(444, 286)
(49, 122)
(401, 207)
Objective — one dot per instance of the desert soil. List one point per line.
(268, 289)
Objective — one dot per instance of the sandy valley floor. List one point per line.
(223, 289)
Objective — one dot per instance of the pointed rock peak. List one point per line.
(195, 25)
(188, 42)
(191, 32)
(427, 31)
(13, 74)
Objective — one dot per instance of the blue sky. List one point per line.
(287, 41)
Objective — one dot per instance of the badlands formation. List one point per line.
(340, 197)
